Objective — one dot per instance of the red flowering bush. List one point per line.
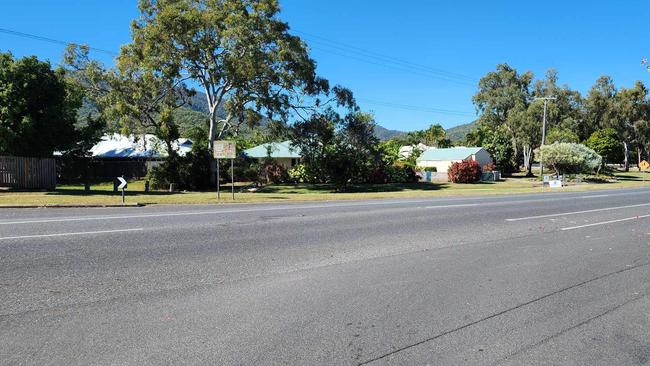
(464, 172)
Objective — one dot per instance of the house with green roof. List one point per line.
(441, 159)
(284, 153)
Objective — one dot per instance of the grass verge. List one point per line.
(102, 194)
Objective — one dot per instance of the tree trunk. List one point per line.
(638, 158)
(626, 161)
(528, 152)
(211, 138)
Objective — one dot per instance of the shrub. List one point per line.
(566, 158)
(464, 172)
(298, 174)
(400, 173)
(190, 172)
(275, 173)
(430, 169)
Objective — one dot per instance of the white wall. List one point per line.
(440, 165)
(483, 157)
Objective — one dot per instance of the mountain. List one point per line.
(383, 133)
(458, 133)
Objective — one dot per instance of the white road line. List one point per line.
(577, 212)
(459, 205)
(66, 234)
(212, 212)
(296, 207)
(595, 196)
(604, 222)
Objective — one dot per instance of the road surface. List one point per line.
(546, 279)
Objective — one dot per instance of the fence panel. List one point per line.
(27, 173)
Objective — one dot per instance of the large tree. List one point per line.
(630, 108)
(238, 51)
(503, 99)
(38, 108)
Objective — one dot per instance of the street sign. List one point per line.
(644, 165)
(122, 183)
(122, 186)
(224, 149)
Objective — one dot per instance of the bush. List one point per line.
(191, 172)
(432, 169)
(400, 173)
(274, 172)
(566, 158)
(464, 172)
(298, 174)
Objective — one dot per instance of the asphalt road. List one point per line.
(546, 279)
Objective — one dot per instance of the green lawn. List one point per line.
(102, 193)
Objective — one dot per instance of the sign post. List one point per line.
(122, 186)
(225, 150)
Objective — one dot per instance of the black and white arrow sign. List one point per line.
(122, 183)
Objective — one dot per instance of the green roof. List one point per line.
(278, 150)
(452, 153)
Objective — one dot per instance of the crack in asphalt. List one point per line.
(565, 330)
(467, 325)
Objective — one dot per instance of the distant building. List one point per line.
(405, 152)
(284, 153)
(441, 159)
(148, 146)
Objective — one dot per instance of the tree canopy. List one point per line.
(38, 108)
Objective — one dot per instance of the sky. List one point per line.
(411, 63)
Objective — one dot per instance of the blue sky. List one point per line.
(411, 63)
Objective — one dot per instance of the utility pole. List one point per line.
(541, 164)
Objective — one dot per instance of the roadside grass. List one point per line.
(102, 193)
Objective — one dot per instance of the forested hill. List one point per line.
(458, 133)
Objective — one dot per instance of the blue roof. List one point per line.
(452, 153)
(278, 150)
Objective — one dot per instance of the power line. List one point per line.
(412, 71)
(369, 101)
(389, 60)
(52, 40)
(415, 108)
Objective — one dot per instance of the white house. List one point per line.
(441, 159)
(284, 153)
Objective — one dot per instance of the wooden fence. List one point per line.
(27, 173)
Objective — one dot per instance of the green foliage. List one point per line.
(569, 158)
(605, 143)
(38, 108)
(337, 150)
(464, 172)
(498, 141)
(561, 135)
(389, 151)
(300, 174)
(398, 172)
(189, 172)
(435, 135)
